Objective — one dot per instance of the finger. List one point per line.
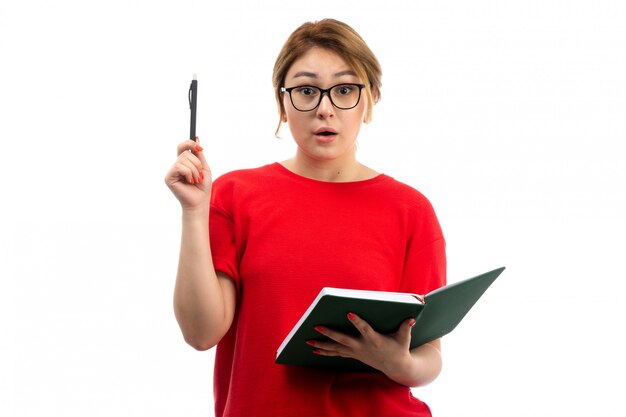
(404, 332)
(188, 145)
(200, 155)
(362, 326)
(191, 171)
(338, 337)
(193, 168)
(323, 352)
(178, 173)
(192, 158)
(195, 149)
(325, 344)
(326, 348)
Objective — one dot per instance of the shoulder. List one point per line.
(404, 194)
(245, 185)
(246, 175)
(413, 208)
(243, 179)
(419, 221)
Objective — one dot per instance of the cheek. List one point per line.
(359, 119)
(296, 123)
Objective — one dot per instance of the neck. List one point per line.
(346, 170)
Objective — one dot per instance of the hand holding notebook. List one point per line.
(437, 315)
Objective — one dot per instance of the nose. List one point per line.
(325, 108)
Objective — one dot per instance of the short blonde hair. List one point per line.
(335, 36)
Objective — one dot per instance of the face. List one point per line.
(325, 133)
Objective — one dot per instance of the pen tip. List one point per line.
(195, 76)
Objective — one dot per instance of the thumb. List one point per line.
(404, 332)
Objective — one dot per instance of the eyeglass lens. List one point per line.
(343, 96)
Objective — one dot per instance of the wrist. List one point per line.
(422, 366)
(192, 214)
(399, 368)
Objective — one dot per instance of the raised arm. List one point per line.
(204, 300)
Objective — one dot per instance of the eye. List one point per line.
(307, 91)
(344, 90)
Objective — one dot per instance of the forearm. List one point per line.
(199, 302)
(420, 367)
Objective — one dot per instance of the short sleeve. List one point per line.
(425, 270)
(425, 259)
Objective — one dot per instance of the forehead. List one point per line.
(320, 63)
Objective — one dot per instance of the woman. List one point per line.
(279, 233)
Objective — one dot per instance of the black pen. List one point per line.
(193, 103)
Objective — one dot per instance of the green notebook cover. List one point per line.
(442, 310)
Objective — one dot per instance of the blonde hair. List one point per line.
(335, 36)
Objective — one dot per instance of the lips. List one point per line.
(325, 133)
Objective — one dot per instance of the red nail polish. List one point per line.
(319, 329)
(351, 316)
(316, 351)
(198, 148)
(310, 343)
(412, 323)
(192, 181)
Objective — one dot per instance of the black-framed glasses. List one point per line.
(344, 96)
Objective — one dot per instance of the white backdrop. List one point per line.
(508, 115)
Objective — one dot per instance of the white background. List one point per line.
(508, 115)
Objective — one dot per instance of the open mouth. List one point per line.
(326, 132)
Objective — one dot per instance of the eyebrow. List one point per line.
(314, 75)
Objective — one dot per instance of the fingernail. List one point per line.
(412, 323)
(351, 316)
(319, 329)
(198, 148)
(192, 181)
(310, 343)
(200, 179)
(201, 176)
(316, 351)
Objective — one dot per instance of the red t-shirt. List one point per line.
(283, 237)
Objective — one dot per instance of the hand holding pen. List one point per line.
(189, 178)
